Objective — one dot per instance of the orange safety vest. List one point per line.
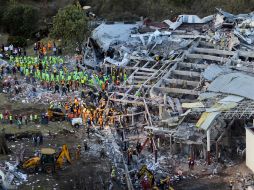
(44, 50)
(66, 107)
(100, 121)
(49, 45)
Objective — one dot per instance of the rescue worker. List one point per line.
(113, 173)
(10, 119)
(31, 118)
(101, 122)
(85, 145)
(1, 117)
(78, 152)
(129, 152)
(36, 118)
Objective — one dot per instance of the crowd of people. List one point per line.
(19, 119)
(40, 49)
(43, 49)
(53, 74)
(12, 51)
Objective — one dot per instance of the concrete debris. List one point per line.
(168, 98)
(190, 19)
(11, 177)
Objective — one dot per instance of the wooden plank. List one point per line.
(148, 113)
(147, 69)
(207, 57)
(143, 73)
(181, 82)
(214, 51)
(176, 90)
(141, 77)
(192, 65)
(186, 73)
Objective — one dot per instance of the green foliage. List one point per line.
(70, 24)
(165, 9)
(17, 41)
(20, 20)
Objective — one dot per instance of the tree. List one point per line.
(20, 20)
(70, 24)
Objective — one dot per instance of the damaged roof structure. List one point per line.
(193, 79)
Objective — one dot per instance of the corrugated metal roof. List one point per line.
(231, 98)
(234, 83)
(207, 119)
(213, 71)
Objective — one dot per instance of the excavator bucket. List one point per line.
(64, 154)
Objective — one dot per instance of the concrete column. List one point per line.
(170, 143)
(208, 135)
(160, 112)
(132, 118)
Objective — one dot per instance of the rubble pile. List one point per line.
(182, 105)
(200, 73)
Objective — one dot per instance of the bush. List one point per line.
(20, 20)
(17, 41)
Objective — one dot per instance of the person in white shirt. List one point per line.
(11, 48)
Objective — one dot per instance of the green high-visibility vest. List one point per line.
(47, 77)
(91, 81)
(27, 72)
(69, 78)
(39, 74)
(52, 77)
(43, 76)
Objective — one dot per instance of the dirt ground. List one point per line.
(90, 172)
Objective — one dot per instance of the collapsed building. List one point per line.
(189, 82)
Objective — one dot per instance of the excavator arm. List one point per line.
(63, 154)
(31, 164)
(144, 171)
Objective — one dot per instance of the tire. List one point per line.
(31, 170)
(76, 126)
(48, 168)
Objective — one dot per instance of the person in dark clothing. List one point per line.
(139, 147)
(19, 51)
(86, 145)
(64, 91)
(14, 70)
(56, 89)
(35, 140)
(40, 66)
(68, 87)
(82, 94)
(41, 139)
(88, 131)
(2, 48)
(24, 51)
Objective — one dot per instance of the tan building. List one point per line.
(249, 148)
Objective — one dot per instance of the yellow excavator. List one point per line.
(144, 171)
(48, 161)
